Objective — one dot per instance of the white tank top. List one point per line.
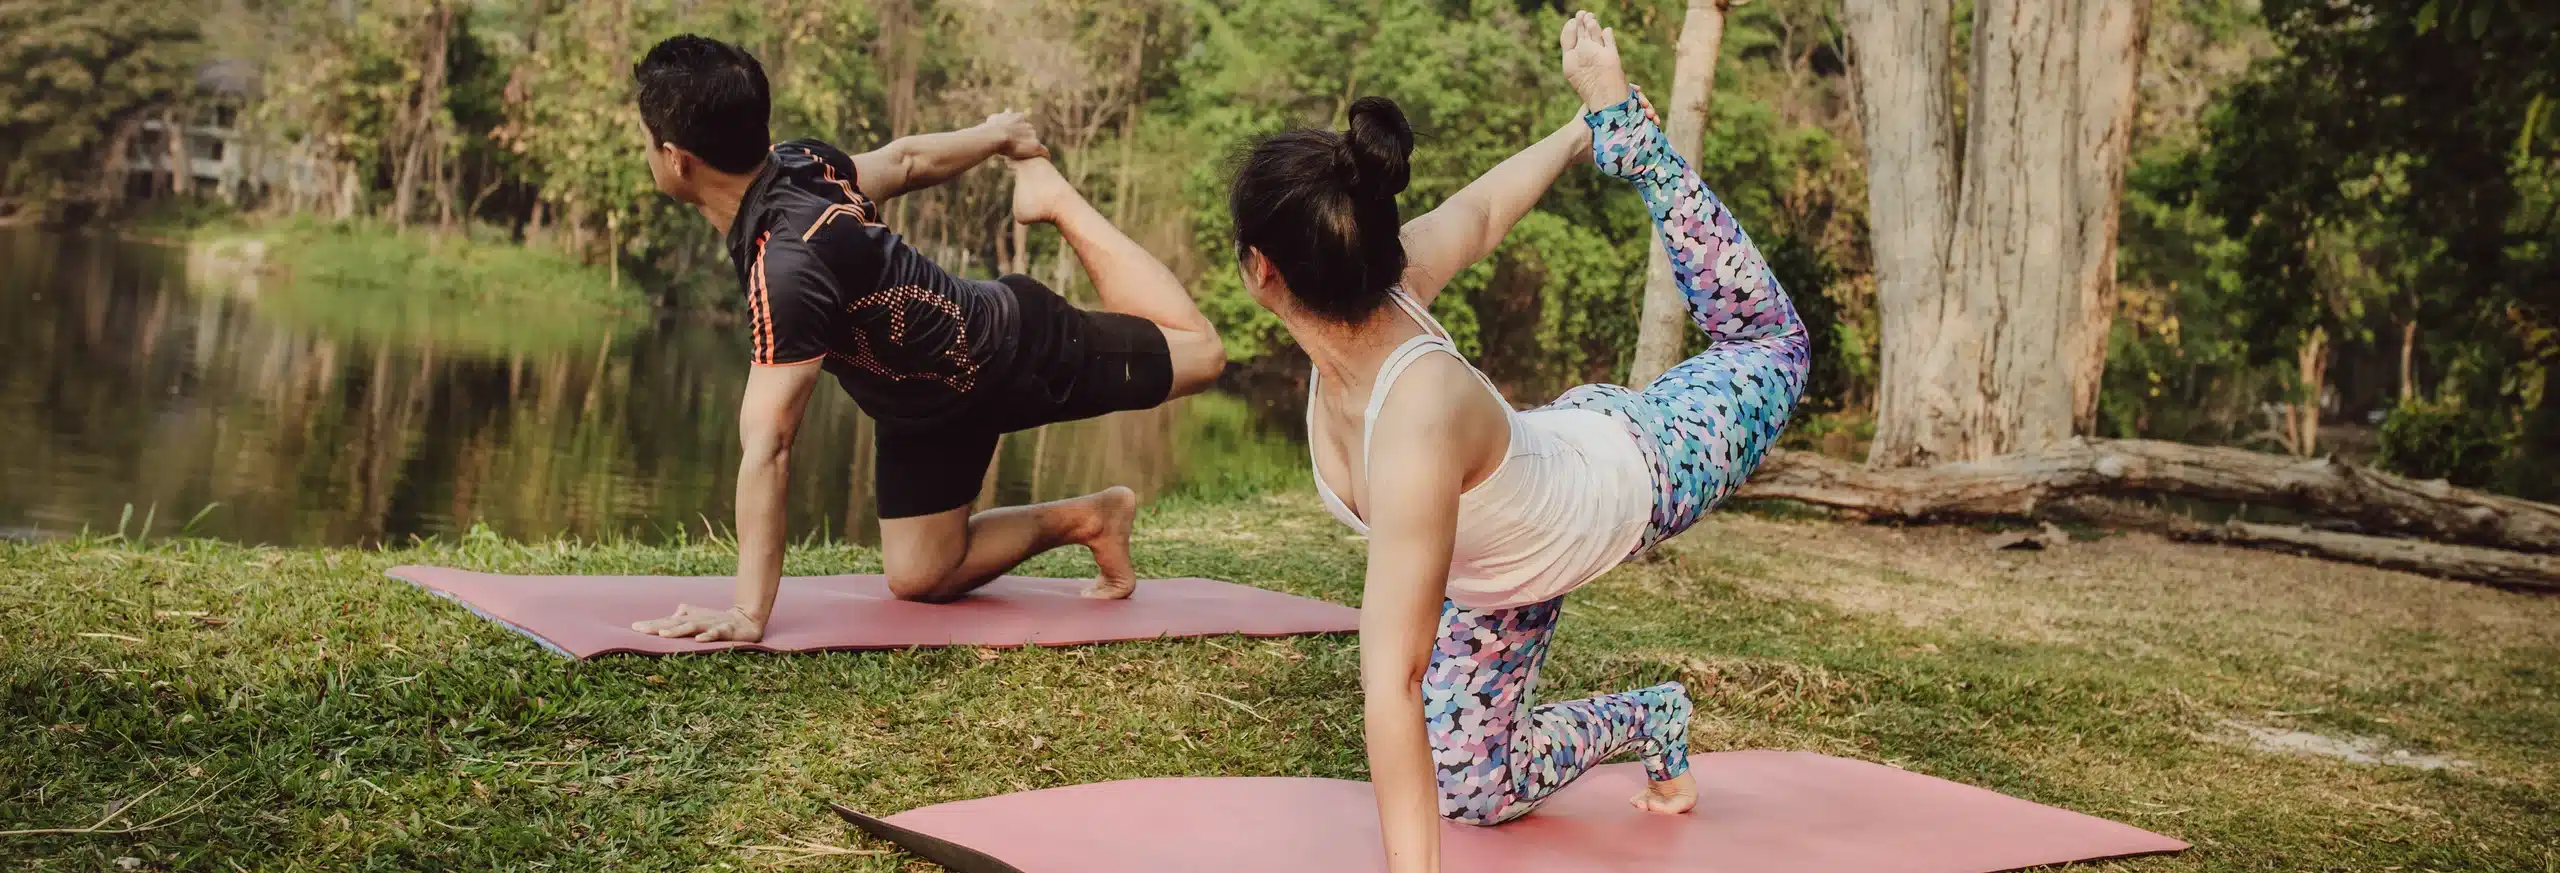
(1569, 501)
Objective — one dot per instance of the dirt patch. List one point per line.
(2353, 750)
(2118, 592)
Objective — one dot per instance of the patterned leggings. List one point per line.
(1704, 426)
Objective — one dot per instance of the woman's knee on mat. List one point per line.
(1479, 815)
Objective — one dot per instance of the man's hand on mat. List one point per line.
(1591, 62)
(1021, 140)
(705, 624)
(1678, 795)
(1039, 191)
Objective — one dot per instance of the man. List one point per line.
(944, 364)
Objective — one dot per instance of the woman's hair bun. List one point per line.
(1380, 143)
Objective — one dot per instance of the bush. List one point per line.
(2439, 440)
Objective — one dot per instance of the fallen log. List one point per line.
(2468, 563)
(2013, 486)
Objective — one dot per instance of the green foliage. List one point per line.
(73, 75)
(1227, 454)
(2178, 364)
(1557, 304)
(2377, 131)
(2395, 163)
(571, 117)
(2436, 440)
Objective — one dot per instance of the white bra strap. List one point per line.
(1421, 317)
(1432, 327)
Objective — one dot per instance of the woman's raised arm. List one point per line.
(1443, 242)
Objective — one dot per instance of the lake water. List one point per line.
(235, 409)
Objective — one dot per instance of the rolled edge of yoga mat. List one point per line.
(953, 856)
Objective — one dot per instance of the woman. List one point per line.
(1480, 518)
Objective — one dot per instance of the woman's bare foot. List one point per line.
(1040, 192)
(1672, 797)
(1115, 575)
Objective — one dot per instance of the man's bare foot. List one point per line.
(1678, 795)
(1040, 192)
(1115, 575)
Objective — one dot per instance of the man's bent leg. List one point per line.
(1125, 275)
(937, 558)
(933, 550)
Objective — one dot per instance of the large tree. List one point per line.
(1994, 228)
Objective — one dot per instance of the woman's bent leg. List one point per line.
(1497, 757)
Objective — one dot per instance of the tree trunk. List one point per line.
(420, 131)
(2012, 486)
(446, 178)
(1129, 134)
(2047, 138)
(110, 189)
(1901, 54)
(346, 193)
(2408, 373)
(899, 42)
(1663, 329)
(581, 236)
(1128, 160)
(2302, 416)
(2001, 350)
(182, 171)
(613, 249)
(2467, 563)
(1018, 258)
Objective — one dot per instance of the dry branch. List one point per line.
(2469, 563)
(2014, 486)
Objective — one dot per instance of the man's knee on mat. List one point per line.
(918, 567)
(920, 585)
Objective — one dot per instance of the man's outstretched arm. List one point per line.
(918, 162)
(768, 421)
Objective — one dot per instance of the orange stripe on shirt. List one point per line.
(829, 171)
(833, 210)
(760, 307)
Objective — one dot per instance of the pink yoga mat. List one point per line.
(586, 616)
(1758, 812)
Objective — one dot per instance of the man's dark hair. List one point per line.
(709, 98)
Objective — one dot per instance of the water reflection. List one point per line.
(121, 387)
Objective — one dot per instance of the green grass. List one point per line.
(292, 710)
(472, 292)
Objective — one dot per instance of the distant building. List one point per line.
(211, 152)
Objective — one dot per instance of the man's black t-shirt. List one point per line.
(825, 280)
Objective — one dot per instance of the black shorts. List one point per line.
(1069, 364)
